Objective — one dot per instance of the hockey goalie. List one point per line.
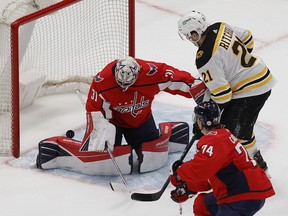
(79, 156)
(119, 106)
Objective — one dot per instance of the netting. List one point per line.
(65, 48)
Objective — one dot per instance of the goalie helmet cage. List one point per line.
(70, 41)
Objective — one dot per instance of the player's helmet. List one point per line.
(126, 72)
(192, 21)
(208, 112)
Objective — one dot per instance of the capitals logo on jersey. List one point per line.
(134, 108)
(153, 69)
(97, 78)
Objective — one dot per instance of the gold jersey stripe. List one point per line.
(240, 87)
(247, 36)
(220, 89)
(222, 94)
(250, 44)
(250, 145)
(223, 98)
(218, 38)
(257, 85)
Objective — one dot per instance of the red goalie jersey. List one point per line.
(132, 107)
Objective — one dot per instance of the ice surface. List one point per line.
(26, 191)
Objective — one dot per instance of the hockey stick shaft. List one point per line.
(117, 167)
(77, 91)
(108, 150)
(155, 196)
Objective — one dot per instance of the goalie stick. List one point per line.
(114, 186)
(148, 197)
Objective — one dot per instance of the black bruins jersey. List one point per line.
(228, 68)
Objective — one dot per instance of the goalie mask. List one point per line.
(126, 72)
(208, 112)
(192, 21)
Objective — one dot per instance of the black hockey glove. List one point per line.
(174, 166)
(197, 132)
(174, 178)
(181, 193)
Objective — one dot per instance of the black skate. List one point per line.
(259, 159)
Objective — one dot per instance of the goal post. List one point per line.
(56, 48)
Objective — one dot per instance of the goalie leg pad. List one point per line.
(179, 136)
(155, 153)
(49, 151)
(64, 153)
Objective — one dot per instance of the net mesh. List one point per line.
(68, 47)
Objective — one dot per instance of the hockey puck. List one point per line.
(70, 134)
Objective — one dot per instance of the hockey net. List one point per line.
(52, 46)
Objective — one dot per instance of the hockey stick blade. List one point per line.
(118, 187)
(152, 196)
(155, 196)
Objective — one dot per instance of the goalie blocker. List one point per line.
(69, 154)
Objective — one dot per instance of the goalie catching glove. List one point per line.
(102, 133)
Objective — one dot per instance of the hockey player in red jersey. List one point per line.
(239, 186)
(123, 93)
(119, 105)
(239, 82)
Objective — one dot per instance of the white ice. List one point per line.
(26, 191)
